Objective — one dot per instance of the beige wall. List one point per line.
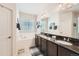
(12, 6)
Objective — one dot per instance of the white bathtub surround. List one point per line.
(24, 41)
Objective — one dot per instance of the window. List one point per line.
(27, 25)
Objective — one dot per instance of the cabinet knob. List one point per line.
(9, 37)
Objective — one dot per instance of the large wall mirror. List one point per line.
(44, 24)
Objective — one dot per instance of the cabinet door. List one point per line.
(65, 52)
(36, 41)
(39, 43)
(43, 47)
(51, 49)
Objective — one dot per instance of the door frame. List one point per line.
(11, 26)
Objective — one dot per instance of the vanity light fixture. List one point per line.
(64, 6)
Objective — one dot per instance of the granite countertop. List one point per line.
(62, 35)
(72, 47)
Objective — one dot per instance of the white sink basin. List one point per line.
(63, 42)
(49, 38)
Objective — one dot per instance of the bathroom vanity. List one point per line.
(57, 46)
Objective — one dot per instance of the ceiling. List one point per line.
(37, 8)
(70, 7)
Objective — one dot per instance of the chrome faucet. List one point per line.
(68, 39)
(64, 39)
(54, 38)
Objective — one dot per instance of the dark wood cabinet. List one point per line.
(38, 42)
(43, 46)
(65, 52)
(51, 49)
